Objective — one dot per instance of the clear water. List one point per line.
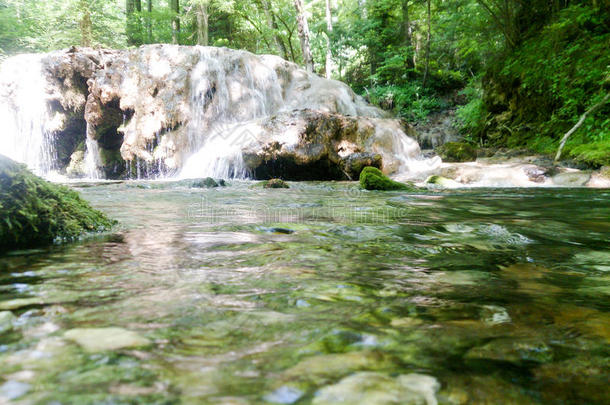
(251, 296)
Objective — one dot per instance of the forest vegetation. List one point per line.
(520, 73)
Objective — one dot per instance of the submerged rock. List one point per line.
(275, 183)
(103, 339)
(379, 389)
(372, 178)
(11, 390)
(518, 351)
(6, 321)
(36, 212)
(455, 152)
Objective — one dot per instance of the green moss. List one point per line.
(457, 152)
(372, 178)
(596, 154)
(207, 182)
(275, 183)
(35, 212)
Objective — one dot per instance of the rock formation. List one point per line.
(193, 112)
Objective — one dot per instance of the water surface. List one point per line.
(249, 295)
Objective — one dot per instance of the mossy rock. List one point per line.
(372, 178)
(275, 183)
(207, 182)
(456, 152)
(34, 212)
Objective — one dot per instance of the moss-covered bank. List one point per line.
(34, 212)
(534, 94)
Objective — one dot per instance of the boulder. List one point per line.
(36, 212)
(372, 178)
(456, 152)
(275, 183)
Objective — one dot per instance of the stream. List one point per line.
(242, 295)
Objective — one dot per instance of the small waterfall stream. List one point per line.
(25, 136)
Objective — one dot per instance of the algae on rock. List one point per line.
(372, 178)
(35, 212)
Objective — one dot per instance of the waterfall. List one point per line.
(227, 90)
(25, 136)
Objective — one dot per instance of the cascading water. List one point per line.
(225, 94)
(24, 114)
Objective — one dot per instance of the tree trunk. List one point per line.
(272, 23)
(428, 40)
(149, 23)
(86, 26)
(304, 35)
(406, 26)
(329, 30)
(175, 5)
(578, 124)
(201, 11)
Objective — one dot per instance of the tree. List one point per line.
(329, 30)
(175, 7)
(428, 41)
(86, 26)
(304, 35)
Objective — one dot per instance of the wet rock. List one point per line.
(571, 179)
(379, 389)
(11, 390)
(36, 212)
(456, 152)
(372, 178)
(583, 379)
(208, 182)
(535, 174)
(102, 339)
(354, 164)
(518, 351)
(442, 181)
(327, 367)
(6, 321)
(284, 395)
(275, 183)
(316, 145)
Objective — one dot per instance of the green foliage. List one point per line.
(457, 152)
(35, 212)
(594, 154)
(409, 101)
(372, 178)
(540, 90)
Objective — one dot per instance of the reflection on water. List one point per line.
(310, 294)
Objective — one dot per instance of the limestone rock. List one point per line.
(379, 389)
(103, 339)
(6, 321)
(152, 109)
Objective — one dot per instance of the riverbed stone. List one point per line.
(103, 339)
(512, 350)
(11, 390)
(380, 389)
(6, 321)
